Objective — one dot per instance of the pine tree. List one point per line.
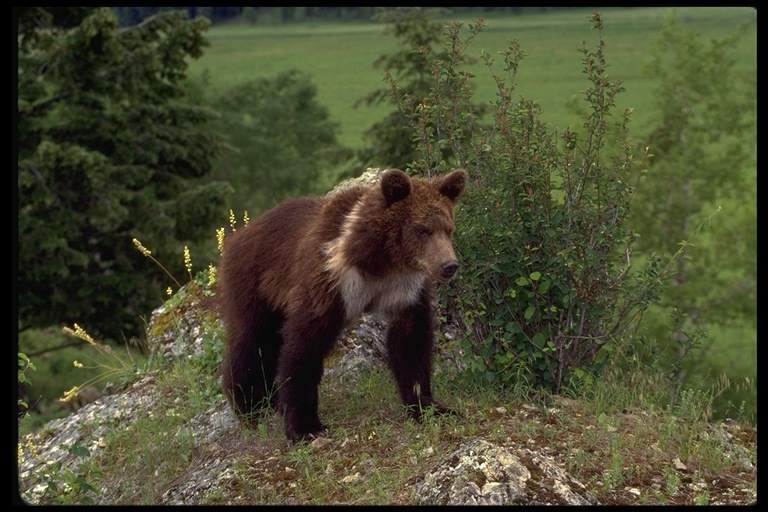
(108, 151)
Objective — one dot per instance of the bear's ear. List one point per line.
(452, 185)
(395, 185)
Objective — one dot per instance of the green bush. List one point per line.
(24, 365)
(545, 291)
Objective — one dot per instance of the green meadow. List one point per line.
(339, 57)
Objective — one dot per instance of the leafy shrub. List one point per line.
(545, 291)
(67, 486)
(24, 365)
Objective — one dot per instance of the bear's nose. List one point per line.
(449, 268)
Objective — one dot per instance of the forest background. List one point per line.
(291, 96)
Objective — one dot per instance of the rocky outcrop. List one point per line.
(482, 473)
(478, 472)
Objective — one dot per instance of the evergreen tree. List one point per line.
(108, 151)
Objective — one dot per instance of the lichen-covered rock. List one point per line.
(176, 328)
(371, 176)
(482, 473)
(213, 466)
(362, 347)
(86, 427)
(179, 330)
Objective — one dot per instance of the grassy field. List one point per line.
(340, 56)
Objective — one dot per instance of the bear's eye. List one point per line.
(422, 231)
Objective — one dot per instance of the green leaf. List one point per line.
(79, 451)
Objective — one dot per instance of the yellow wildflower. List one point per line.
(79, 332)
(146, 252)
(69, 395)
(211, 274)
(220, 240)
(32, 449)
(188, 261)
(142, 249)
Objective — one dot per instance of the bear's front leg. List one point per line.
(410, 339)
(300, 369)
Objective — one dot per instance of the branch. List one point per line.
(143, 23)
(75, 343)
(38, 106)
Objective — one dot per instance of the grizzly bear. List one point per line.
(296, 275)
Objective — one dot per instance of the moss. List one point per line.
(194, 303)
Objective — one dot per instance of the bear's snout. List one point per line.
(449, 268)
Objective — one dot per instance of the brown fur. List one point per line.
(293, 278)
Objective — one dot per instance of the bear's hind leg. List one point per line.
(250, 364)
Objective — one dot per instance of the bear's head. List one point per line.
(417, 221)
